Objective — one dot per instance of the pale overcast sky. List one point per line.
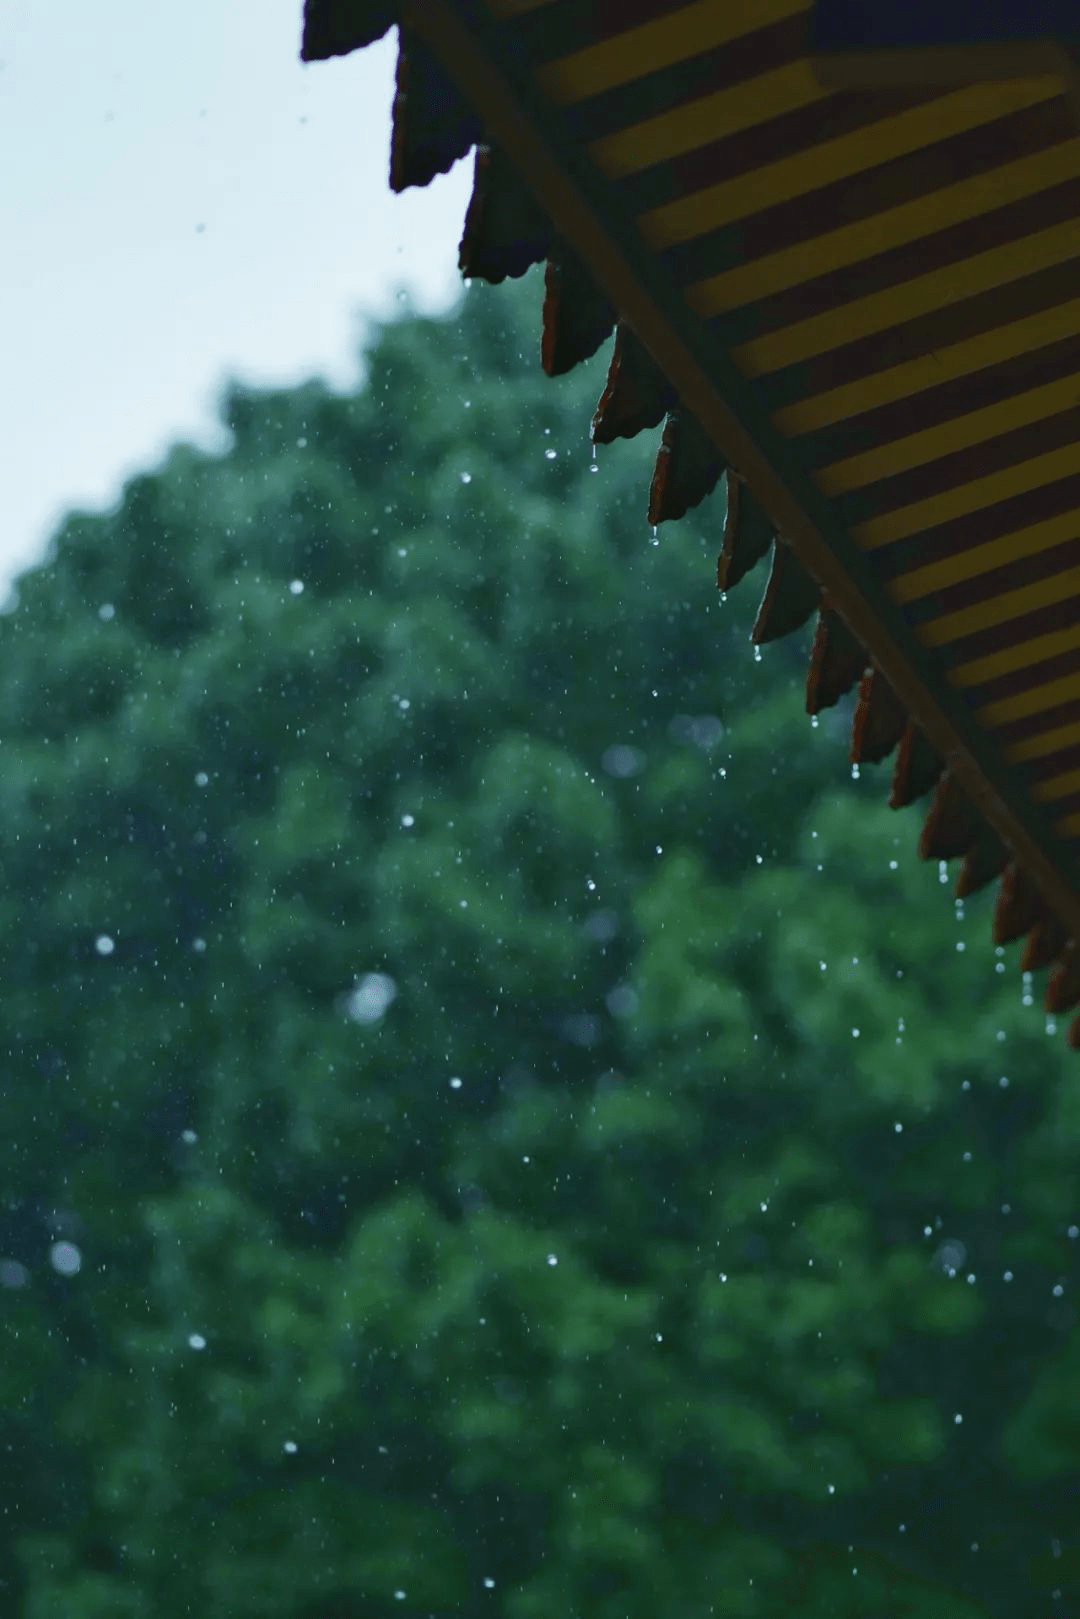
(182, 200)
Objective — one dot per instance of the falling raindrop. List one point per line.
(65, 1259)
(373, 994)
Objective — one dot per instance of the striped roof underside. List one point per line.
(893, 277)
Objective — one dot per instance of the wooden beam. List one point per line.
(876, 44)
(709, 386)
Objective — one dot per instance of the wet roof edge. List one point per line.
(708, 385)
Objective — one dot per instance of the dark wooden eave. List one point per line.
(859, 309)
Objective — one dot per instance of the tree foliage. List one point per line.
(533, 1138)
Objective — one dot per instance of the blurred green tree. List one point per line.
(496, 1121)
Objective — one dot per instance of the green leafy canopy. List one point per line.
(534, 1139)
